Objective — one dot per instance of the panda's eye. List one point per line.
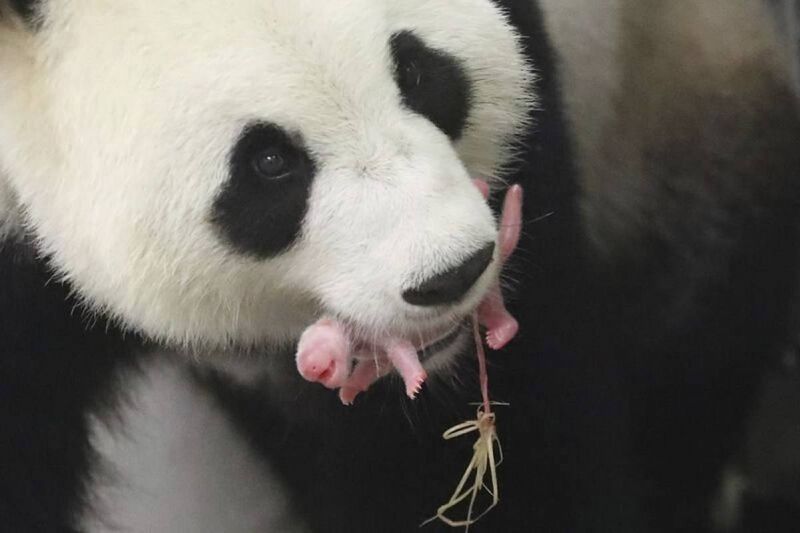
(432, 83)
(259, 210)
(410, 76)
(271, 163)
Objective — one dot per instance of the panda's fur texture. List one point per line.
(150, 297)
(131, 136)
(146, 132)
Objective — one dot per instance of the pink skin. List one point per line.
(324, 353)
(366, 372)
(324, 356)
(500, 326)
(403, 356)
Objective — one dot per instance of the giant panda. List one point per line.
(158, 268)
(186, 187)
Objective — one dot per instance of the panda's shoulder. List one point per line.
(55, 368)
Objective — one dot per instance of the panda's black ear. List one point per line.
(25, 9)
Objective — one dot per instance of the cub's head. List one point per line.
(222, 172)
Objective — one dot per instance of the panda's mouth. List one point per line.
(442, 343)
(339, 355)
(427, 345)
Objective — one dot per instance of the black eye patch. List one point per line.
(433, 83)
(25, 8)
(261, 208)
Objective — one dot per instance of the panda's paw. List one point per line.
(323, 353)
(414, 384)
(403, 356)
(501, 327)
(347, 395)
(501, 335)
(366, 372)
(510, 222)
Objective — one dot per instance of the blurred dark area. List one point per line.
(642, 77)
(761, 490)
(787, 17)
(766, 477)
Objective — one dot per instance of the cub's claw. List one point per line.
(324, 353)
(403, 356)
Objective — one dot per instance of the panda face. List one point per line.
(222, 172)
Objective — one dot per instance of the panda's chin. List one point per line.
(432, 346)
(443, 343)
(437, 347)
(441, 355)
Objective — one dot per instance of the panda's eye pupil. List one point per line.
(271, 163)
(411, 76)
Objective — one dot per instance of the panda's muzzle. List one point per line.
(450, 286)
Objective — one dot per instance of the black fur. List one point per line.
(54, 369)
(262, 215)
(630, 381)
(699, 301)
(382, 464)
(27, 9)
(628, 384)
(432, 82)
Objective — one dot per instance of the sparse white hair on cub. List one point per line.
(117, 123)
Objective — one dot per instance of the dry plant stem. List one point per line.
(482, 372)
(483, 458)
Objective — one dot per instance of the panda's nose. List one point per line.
(450, 286)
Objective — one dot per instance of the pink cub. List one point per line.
(323, 353)
(326, 350)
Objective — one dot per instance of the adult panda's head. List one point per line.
(222, 172)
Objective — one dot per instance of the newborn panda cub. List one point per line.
(218, 181)
(326, 349)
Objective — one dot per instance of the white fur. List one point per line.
(118, 118)
(116, 123)
(170, 461)
(16, 49)
(10, 218)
